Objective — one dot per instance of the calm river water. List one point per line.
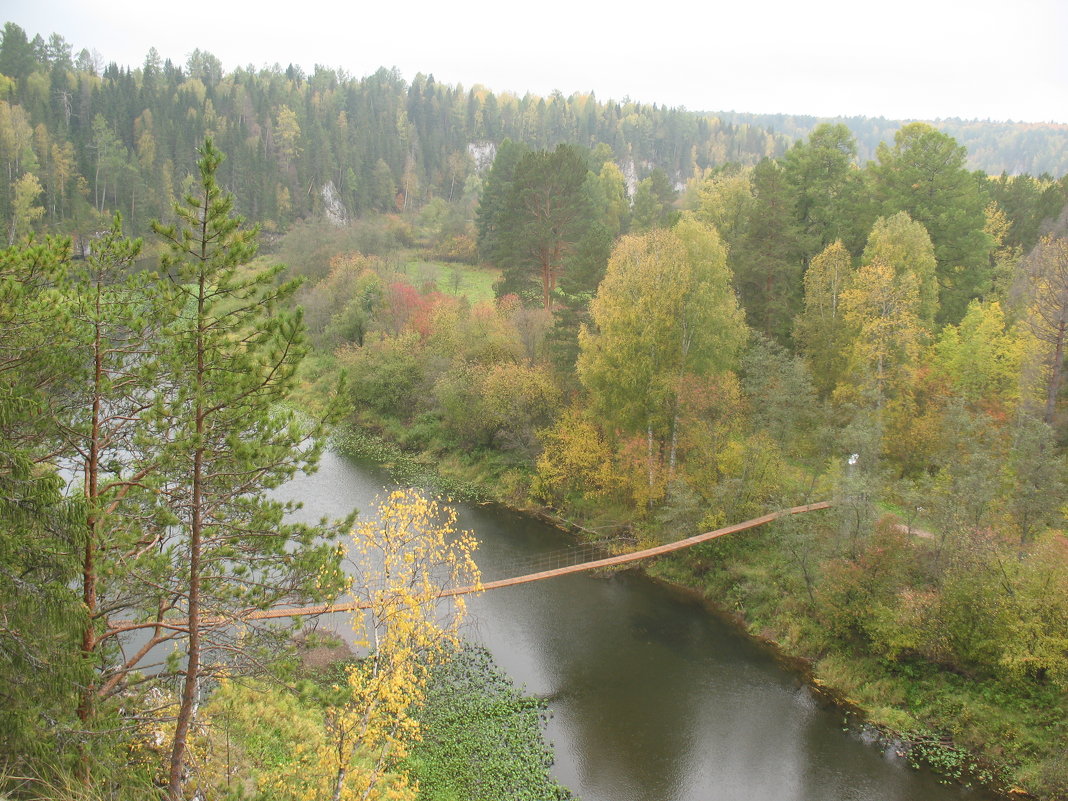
(652, 697)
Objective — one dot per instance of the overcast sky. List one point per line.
(900, 59)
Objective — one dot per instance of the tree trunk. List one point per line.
(192, 668)
(1056, 369)
(92, 522)
(649, 458)
(674, 442)
(546, 270)
(339, 785)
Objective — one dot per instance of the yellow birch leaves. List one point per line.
(403, 557)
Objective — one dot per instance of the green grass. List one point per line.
(462, 280)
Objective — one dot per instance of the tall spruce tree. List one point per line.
(767, 259)
(230, 437)
(924, 174)
(827, 189)
(491, 205)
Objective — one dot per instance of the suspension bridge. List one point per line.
(575, 561)
(571, 560)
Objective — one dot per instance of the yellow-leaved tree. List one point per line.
(665, 312)
(403, 559)
(881, 306)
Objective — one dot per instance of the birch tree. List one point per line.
(665, 310)
(821, 329)
(403, 558)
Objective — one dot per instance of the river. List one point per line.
(653, 698)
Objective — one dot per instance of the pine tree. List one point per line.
(924, 174)
(231, 360)
(544, 219)
(114, 318)
(825, 186)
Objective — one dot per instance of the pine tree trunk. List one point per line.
(192, 669)
(92, 523)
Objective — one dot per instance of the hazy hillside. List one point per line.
(993, 147)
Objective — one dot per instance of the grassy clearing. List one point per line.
(462, 280)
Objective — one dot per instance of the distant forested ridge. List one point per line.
(1015, 148)
(96, 138)
(110, 137)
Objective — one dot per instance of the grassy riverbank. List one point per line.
(999, 734)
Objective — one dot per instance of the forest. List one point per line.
(621, 317)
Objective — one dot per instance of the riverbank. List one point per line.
(969, 731)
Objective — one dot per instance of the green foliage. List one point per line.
(483, 737)
(1028, 202)
(882, 308)
(1045, 278)
(576, 461)
(652, 206)
(724, 201)
(502, 405)
(983, 356)
(1036, 477)
(767, 259)
(993, 147)
(493, 202)
(665, 420)
(234, 353)
(542, 220)
(665, 310)
(901, 243)
(252, 734)
(923, 174)
(386, 373)
(40, 670)
(351, 323)
(782, 399)
(821, 328)
(820, 173)
(360, 443)
(228, 436)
